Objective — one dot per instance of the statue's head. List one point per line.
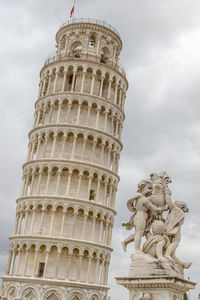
(158, 227)
(145, 187)
(182, 205)
(164, 177)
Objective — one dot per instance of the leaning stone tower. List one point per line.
(61, 245)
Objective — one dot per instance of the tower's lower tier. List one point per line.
(22, 288)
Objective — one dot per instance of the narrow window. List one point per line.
(41, 269)
(91, 44)
(70, 79)
(92, 195)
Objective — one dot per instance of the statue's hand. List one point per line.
(123, 224)
(187, 265)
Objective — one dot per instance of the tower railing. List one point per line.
(58, 57)
(91, 21)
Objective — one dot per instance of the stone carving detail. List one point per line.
(29, 294)
(142, 296)
(163, 234)
(12, 293)
(76, 296)
(53, 295)
(145, 296)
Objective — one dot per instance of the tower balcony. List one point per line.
(74, 56)
(90, 21)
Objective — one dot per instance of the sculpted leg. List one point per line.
(128, 240)
(159, 249)
(138, 237)
(171, 249)
(140, 223)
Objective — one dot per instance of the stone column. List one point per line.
(12, 262)
(89, 268)
(32, 221)
(83, 151)
(49, 83)
(52, 221)
(25, 221)
(64, 80)
(105, 120)
(116, 92)
(55, 82)
(109, 88)
(68, 112)
(42, 221)
(59, 111)
(73, 81)
(101, 86)
(93, 150)
(84, 226)
(83, 82)
(54, 144)
(35, 262)
(46, 263)
(9, 262)
(79, 266)
(69, 261)
(63, 146)
(88, 114)
(18, 261)
(58, 181)
(63, 222)
(78, 113)
(68, 183)
(45, 145)
(92, 84)
(97, 269)
(93, 226)
(26, 261)
(48, 181)
(57, 264)
(73, 146)
(39, 182)
(97, 118)
(79, 184)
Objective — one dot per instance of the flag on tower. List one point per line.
(72, 12)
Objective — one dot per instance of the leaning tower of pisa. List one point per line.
(61, 245)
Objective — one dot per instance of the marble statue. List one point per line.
(159, 220)
(144, 211)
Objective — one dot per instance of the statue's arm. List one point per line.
(150, 206)
(168, 199)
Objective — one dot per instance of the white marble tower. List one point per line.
(61, 245)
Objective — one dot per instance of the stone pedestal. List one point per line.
(156, 287)
(154, 279)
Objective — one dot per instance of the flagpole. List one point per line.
(74, 8)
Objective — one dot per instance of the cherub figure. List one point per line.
(143, 215)
(157, 242)
(173, 223)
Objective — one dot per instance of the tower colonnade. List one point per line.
(61, 245)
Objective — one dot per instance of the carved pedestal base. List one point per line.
(156, 287)
(147, 265)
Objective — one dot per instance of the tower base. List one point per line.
(156, 287)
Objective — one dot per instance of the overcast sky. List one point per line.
(161, 49)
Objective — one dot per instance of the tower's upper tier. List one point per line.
(90, 40)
